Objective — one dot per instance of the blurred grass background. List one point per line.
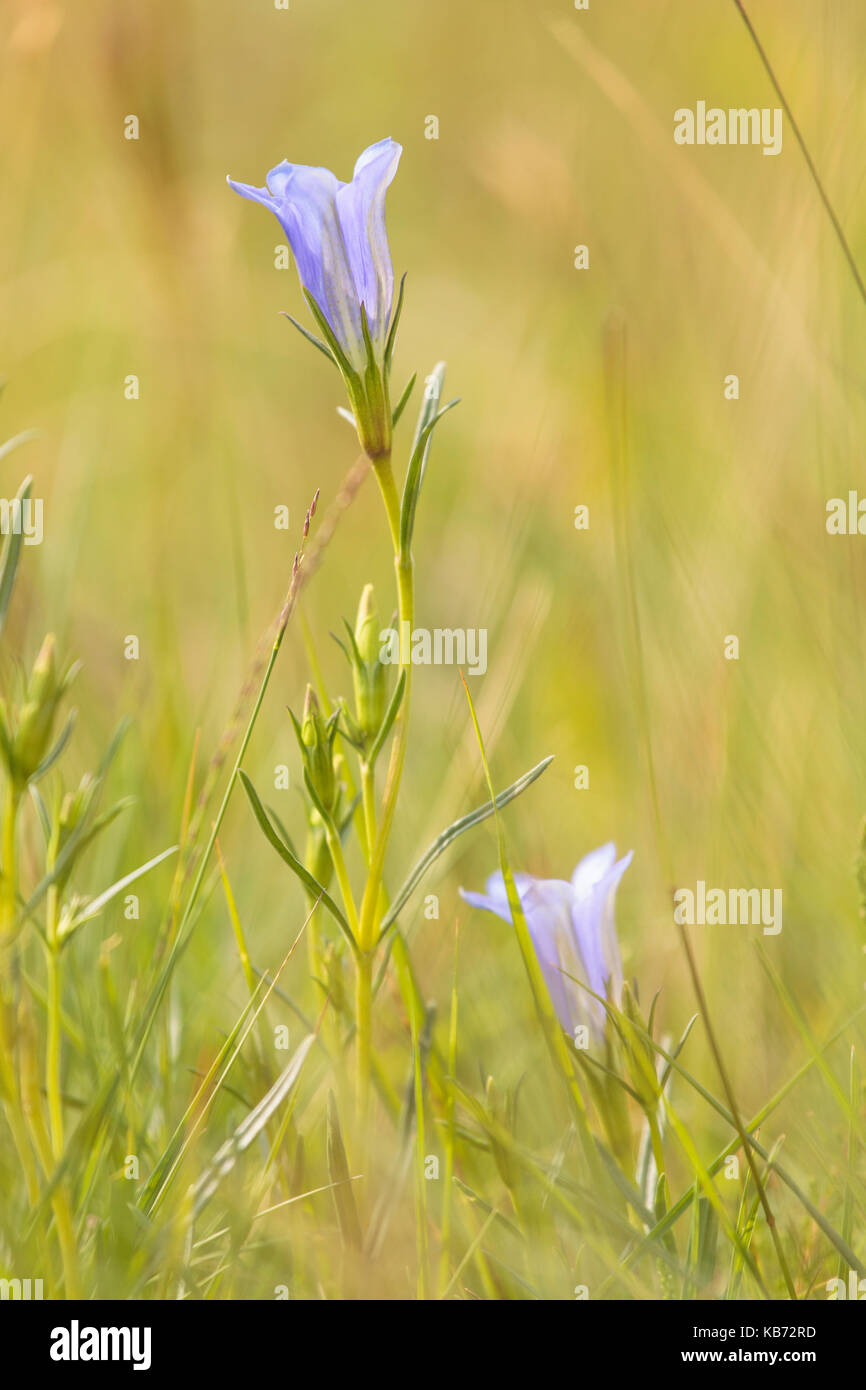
(555, 128)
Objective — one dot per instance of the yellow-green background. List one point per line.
(555, 128)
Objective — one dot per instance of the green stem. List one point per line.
(656, 1143)
(368, 795)
(406, 610)
(8, 881)
(31, 1104)
(60, 1200)
(52, 1047)
(449, 1137)
(8, 1079)
(371, 905)
(342, 873)
(364, 1054)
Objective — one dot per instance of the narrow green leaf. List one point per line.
(317, 800)
(708, 1238)
(41, 811)
(835, 1238)
(94, 907)
(227, 1156)
(51, 758)
(338, 1171)
(214, 1081)
(390, 716)
(441, 843)
(853, 1146)
(310, 883)
(428, 419)
(81, 837)
(11, 549)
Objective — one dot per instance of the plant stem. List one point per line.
(8, 882)
(364, 1054)
(406, 608)
(31, 1104)
(342, 873)
(8, 1078)
(368, 795)
(52, 1046)
(371, 905)
(810, 163)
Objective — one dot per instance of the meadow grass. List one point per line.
(253, 1043)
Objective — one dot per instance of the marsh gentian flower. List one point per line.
(337, 235)
(573, 932)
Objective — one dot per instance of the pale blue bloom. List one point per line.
(573, 931)
(338, 238)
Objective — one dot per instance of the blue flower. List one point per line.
(338, 238)
(573, 932)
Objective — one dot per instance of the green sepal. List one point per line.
(311, 338)
(316, 799)
(327, 331)
(404, 399)
(395, 319)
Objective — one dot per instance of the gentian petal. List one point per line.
(546, 906)
(593, 867)
(306, 199)
(594, 885)
(609, 939)
(487, 904)
(361, 210)
(255, 195)
(573, 933)
(496, 898)
(338, 238)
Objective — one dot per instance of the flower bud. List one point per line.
(367, 626)
(73, 809)
(368, 673)
(76, 804)
(318, 757)
(36, 716)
